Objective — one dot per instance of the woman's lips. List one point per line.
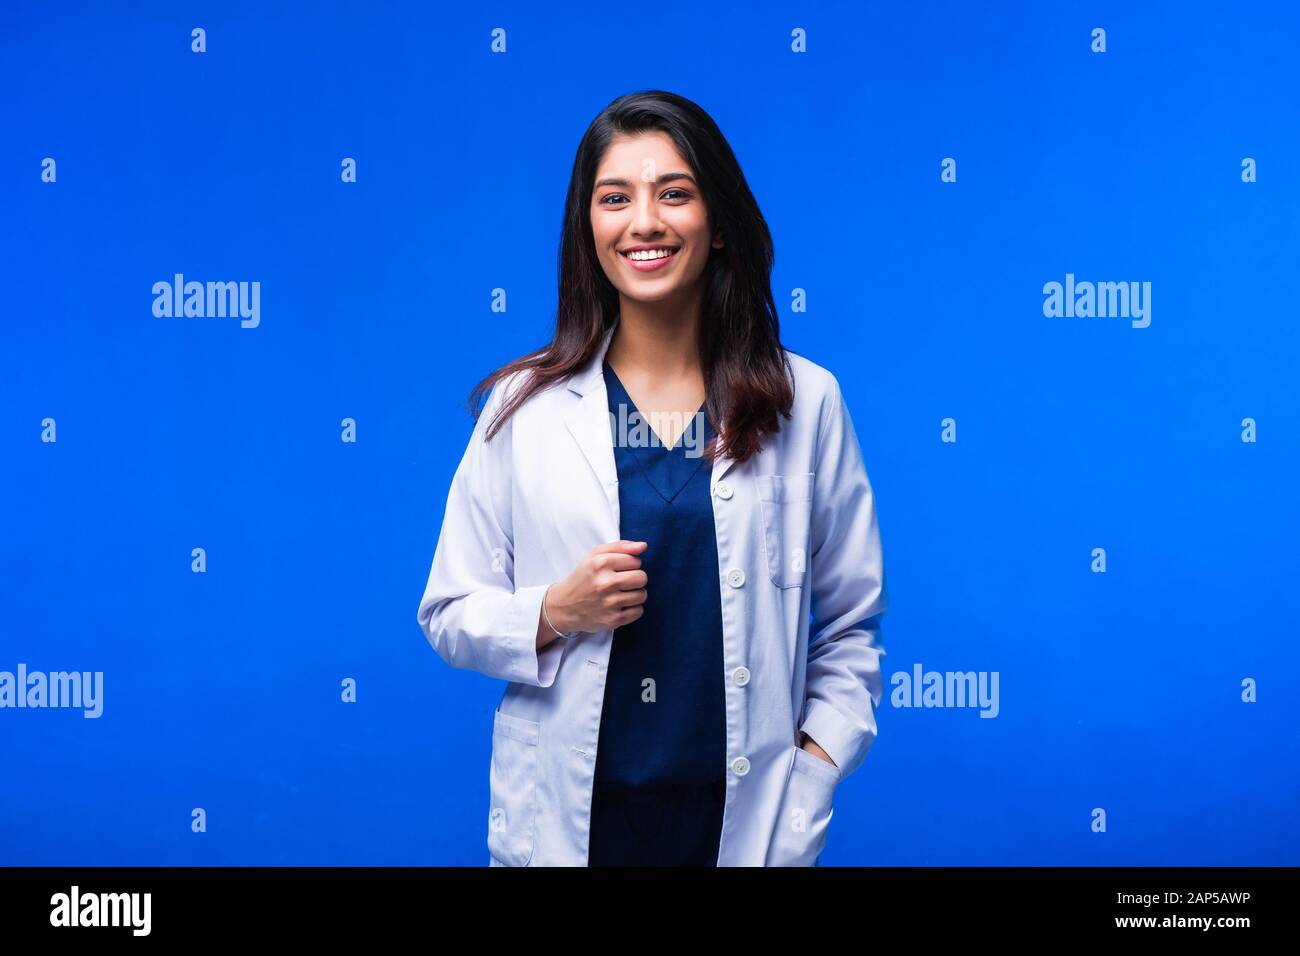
(650, 265)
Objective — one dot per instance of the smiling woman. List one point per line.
(652, 609)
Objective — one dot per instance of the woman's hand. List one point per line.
(810, 745)
(606, 590)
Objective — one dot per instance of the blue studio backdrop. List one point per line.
(1086, 490)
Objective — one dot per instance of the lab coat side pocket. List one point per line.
(806, 811)
(513, 788)
(786, 505)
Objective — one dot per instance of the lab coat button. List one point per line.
(740, 765)
(736, 577)
(741, 676)
(723, 491)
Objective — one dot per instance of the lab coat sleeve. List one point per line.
(471, 611)
(849, 598)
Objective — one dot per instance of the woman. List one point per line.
(649, 511)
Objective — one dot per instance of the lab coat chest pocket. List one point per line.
(786, 505)
(806, 811)
(513, 788)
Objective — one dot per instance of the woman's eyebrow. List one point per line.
(665, 178)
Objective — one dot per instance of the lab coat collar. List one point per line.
(587, 420)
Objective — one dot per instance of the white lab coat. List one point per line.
(796, 532)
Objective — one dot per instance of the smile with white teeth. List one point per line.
(646, 255)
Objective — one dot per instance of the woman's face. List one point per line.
(646, 202)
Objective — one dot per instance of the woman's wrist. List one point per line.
(810, 745)
(554, 616)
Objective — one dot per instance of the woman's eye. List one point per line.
(678, 191)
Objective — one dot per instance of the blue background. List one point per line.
(222, 690)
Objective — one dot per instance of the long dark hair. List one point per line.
(746, 374)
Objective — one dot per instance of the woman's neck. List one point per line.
(659, 344)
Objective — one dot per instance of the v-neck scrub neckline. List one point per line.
(668, 470)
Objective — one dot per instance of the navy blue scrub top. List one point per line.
(679, 739)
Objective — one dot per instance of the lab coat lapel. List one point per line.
(721, 465)
(587, 420)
